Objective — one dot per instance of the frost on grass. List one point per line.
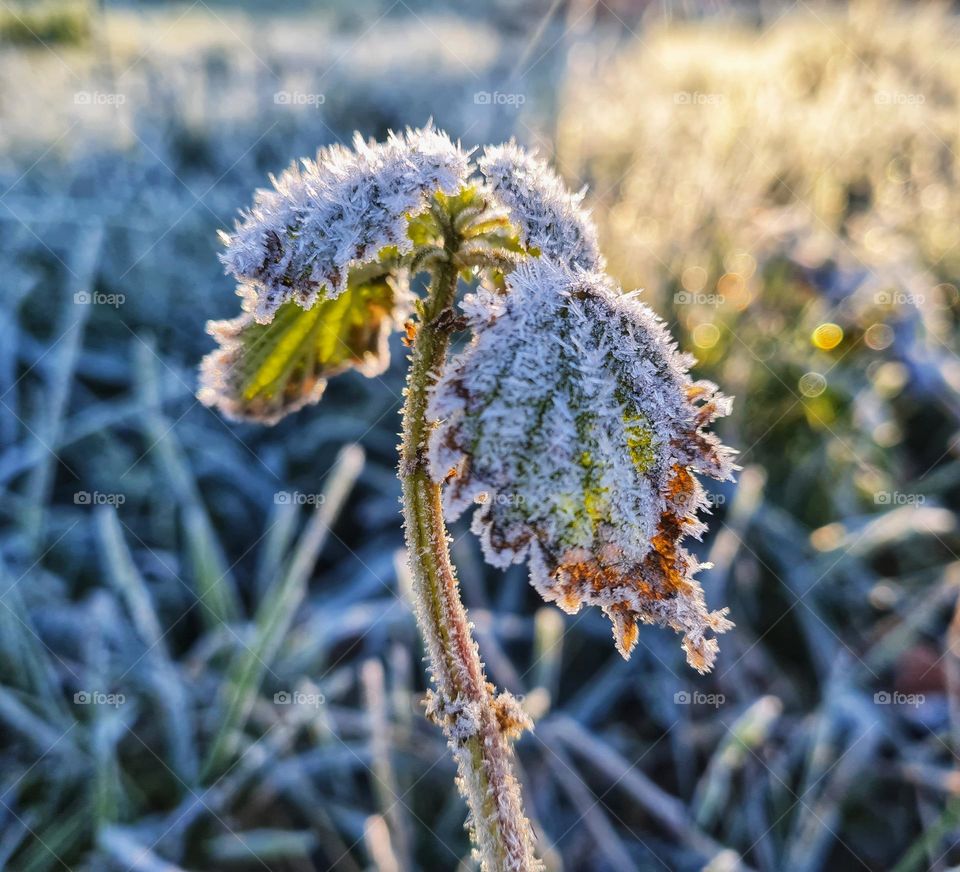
(323, 217)
(550, 218)
(572, 420)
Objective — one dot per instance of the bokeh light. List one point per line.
(812, 384)
(827, 336)
(706, 335)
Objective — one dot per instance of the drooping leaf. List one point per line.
(266, 371)
(572, 419)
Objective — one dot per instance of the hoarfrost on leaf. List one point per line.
(550, 218)
(572, 419)
(323, 217)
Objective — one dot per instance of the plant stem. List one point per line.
(476, 724)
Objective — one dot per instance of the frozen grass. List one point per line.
(204, 594)
(790, 201)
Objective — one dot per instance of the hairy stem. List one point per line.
(476, 723)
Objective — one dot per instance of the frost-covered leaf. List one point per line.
(265, 371)
(324, 217)
(571, 418)
(550, 218)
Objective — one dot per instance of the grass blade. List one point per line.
(276, 612)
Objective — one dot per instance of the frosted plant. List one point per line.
(548, 215)
(325, 216)
(572, 420)
(570, 416)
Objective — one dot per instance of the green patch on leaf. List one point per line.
(639, 441)
(281, 366)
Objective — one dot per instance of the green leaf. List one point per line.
(265, 371)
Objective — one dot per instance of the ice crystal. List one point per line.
(572, 420)
(301, 238)
(459, 717)
(550, 218)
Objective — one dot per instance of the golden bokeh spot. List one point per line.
(731, 284)
(741, 262)
(733, 288)
(693, 279)
(827, 336)
(706, 335)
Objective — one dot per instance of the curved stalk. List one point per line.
(477, 724)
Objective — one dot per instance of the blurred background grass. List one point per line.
(207, 659)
